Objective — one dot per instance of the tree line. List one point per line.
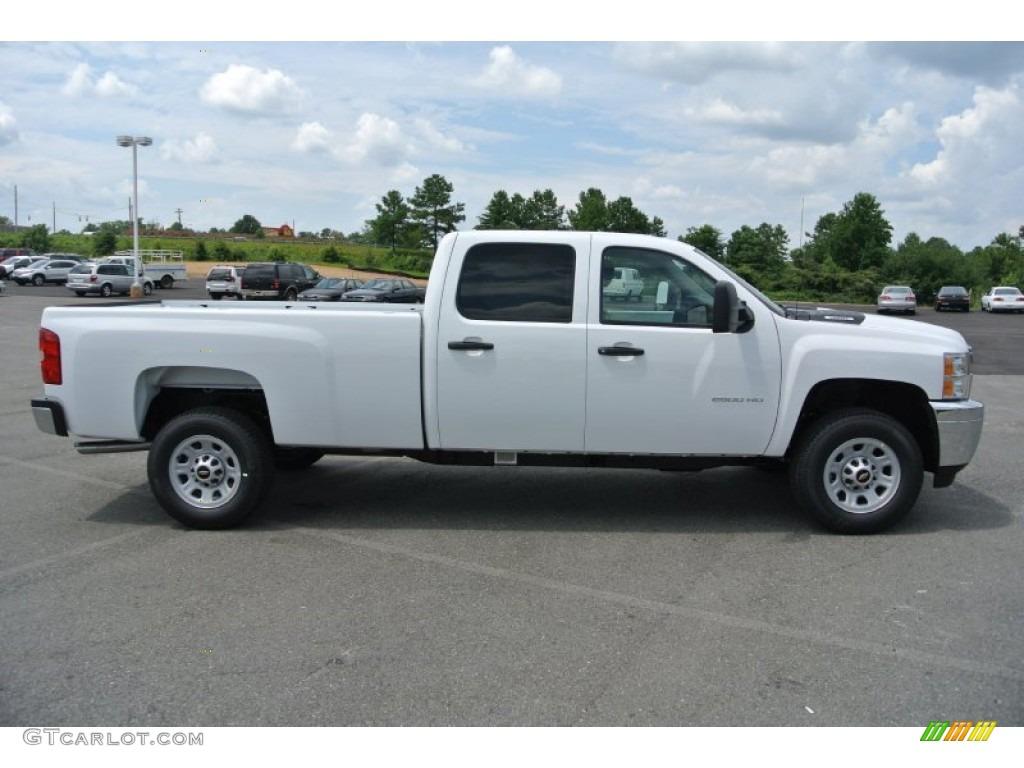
(848, 256)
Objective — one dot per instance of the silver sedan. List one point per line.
(897, 298)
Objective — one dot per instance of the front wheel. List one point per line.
(210, 468)
(857, 471)
(38, 280)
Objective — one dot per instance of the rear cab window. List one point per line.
(517, 282)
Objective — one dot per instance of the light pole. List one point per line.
(135, 142)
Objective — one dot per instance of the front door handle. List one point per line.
(620, 351)
(470, 345)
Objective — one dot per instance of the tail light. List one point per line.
(277, 284)
(49, 345)
(93, 278)
(229, 279)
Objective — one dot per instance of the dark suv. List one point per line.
(277, 280)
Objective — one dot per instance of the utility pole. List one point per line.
(54, 230)
(179, 212)
(15, 207)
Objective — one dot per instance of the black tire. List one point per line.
(210, 468)
(38, 280)
(857, 471)
(147, 289)
(106, 290)
(79, 293)
(216, 296)
(291, 294)
(293, 459)
(167, 281)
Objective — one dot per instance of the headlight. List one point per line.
(956, 376)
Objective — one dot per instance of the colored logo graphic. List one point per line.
(958, 730)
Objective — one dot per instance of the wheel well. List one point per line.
(903, 402)
(172, 401)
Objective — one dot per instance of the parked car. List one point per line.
(105, 280)
(391, 289)
(44, 271)
(330, 289)
(897, 298)
(277, 280)
(1003, 298)
(953, 297)
(11, 263)
(224, 281)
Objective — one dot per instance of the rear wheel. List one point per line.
(216, 296)
(210, 468)
(106, 290)
(857, 471)
(167, 281)
(291, 294)
(79, 293)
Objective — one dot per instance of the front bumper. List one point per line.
(959, 427)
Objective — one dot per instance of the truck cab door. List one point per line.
(511, 344)
(660, 380)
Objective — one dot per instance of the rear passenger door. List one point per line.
(511, 346)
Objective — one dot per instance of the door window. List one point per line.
(531, 282)
(665, 289)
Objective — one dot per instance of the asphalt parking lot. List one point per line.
(386, 592)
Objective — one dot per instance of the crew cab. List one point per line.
(518, 358)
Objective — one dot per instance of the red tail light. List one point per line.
(229, 279)
(92, 278)
(49, 345)
(277, 284)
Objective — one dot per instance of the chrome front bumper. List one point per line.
(959, 424)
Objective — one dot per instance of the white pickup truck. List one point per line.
(518, 358)
(163, 268)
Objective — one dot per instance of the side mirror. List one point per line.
(730, 315)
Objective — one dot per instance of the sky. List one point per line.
(260, 120)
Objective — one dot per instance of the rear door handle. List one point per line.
(620, 351)
(470, 345)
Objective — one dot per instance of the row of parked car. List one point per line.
(298, 282)
(77, 273)
(999, 298)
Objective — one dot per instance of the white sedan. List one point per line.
(1003, 298)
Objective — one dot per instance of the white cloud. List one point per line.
(507, 73)
(242, 88)
(201, 149)
(981, 139)
(435, 139)
(8, 125)
(723, 112)
(380, 140)
(312, 137)
(81, 83)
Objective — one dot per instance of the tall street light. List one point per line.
(135, 142)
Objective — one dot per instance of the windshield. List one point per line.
(378, 283)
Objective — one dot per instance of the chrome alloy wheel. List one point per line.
(862, 475)
(204, 471)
